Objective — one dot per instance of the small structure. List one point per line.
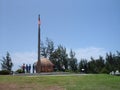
(46, 65)
(117, 73)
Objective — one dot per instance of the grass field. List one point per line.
(77, 82)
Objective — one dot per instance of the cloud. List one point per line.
(86, 53)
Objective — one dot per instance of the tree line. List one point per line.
(111, 62)
(64, 61)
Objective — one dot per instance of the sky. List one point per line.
(88, 27)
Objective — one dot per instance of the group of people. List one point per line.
(27, 68)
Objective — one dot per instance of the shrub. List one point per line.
(67, 70)
(104, 70)
(4, 72)
(19, 71)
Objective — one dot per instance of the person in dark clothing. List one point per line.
(34, 68)
(29, 68)
(23, 68)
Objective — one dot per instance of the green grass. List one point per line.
(82, 82)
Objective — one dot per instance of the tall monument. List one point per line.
(38, 67)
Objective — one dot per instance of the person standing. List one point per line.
(29, 68)
(23, 68)
(33, 68)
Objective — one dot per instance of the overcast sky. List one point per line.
(89, 27)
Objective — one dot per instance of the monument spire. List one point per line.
(38, 69)
(38, 37)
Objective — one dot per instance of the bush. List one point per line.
(67, 70)
(20, 71)
(70, 71)
(104, 70)
(4, 72)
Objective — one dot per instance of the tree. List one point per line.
(113, 61)
(43, 50)
(47, 48)
(7, 63)
(96, 65)
(64, 58)
(60, 58)
(72, 61)
(83, 65)
(92, 66)
(100, 64)
(118, 60)
(110, 62)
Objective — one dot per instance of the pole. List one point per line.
(39, 61)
